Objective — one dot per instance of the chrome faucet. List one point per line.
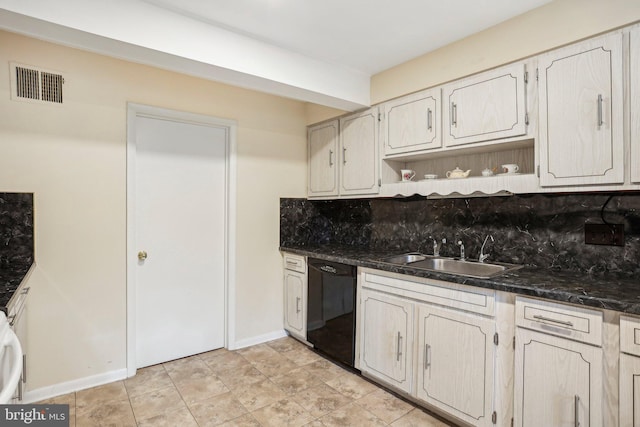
(462, 258)
(436, 246)
(484, 256)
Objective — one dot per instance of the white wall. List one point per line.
(73, 157)
(555, 24)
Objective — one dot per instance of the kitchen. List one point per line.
(78, 153)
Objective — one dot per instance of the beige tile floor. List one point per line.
(279, 383)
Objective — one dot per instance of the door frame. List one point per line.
(139, 110)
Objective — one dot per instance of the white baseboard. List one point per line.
(248, 342)
(48, 392)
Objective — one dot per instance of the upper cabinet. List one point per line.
(323, 160)
(581, 113)
(359, 153)
(412, 124)
(634, 97)
(484, 107)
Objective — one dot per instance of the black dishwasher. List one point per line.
(331, 309)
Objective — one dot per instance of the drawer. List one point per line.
(630, 335)
(475, 300)
(295, 263)
(576, 323)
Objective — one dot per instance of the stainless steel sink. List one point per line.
(451, 265)
(405, 258)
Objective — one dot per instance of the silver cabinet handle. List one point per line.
(26, 290)
(454, 114)
(399, 352)
(12, 319)
(576, 408)
(20, 391)
(600, 121)
(290, 262)
(429, 120)
(24, 368)
(548, 319)
(297, 304)
(427, 359)
(330, 158)
(344, 155)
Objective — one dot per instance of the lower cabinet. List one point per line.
(439, 355)
(559, 381)
(629, 371)
(629, 390)
(295, 295)
(456, 353)
(387, 338)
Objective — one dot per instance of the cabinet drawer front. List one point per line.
(630, 335)
(576, 323)
(295, 263)
(475, 300)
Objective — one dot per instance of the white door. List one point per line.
(323, 159)
(558, 381)
(581, 113)
(387, 338)
(295, 303)
(629, 390)
(456, 354)
(634, 77)
(359, 153)
(180, 210)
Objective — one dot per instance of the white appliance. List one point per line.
(10, 361)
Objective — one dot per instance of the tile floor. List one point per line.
(280, 383)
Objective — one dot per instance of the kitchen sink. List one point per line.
(482, 270)
(405, 258)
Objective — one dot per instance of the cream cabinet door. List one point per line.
(412, 124)
(323, 159)
(295, 303)
(634, 97)
(386, 339)
(456, 356)
(581, 118)
(558, 382)
(485, 107)
(629, 391)
(359, 153)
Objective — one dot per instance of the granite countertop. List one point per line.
(605, 292)
(11, 277)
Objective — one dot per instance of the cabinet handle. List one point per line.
(24, 368)
(399, 352)
(26, 290)
(20, 391)
(576, 410)
(427, 359)
(330, 158)
(297, 305)
(547, 319)
(600, 122)
(12, 319)
(454, 114)
(429, 121)
(290, 262)
(344, 155)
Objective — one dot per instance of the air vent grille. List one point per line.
(29, 83)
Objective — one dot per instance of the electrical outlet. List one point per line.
(604, 234)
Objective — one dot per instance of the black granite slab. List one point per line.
(611, 292)
(16, 242)
(542, 232)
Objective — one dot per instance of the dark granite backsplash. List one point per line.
(16, 229)
(545, 231)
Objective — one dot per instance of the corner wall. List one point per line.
(73, 157)
(555, 24)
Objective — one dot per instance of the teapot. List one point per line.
(458, 173)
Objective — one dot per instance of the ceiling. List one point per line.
(317, 51)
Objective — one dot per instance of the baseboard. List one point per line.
(74, 385)
(248, 342)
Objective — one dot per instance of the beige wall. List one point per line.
(554, 24)
(74, 158)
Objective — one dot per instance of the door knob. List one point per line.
(142, 255)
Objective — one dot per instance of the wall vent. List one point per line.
(33, 84)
